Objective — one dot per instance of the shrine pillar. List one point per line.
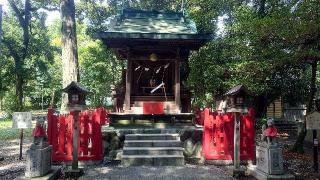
(128, 84)
(177, 81)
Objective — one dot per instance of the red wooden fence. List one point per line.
(90, 138)
(218, 142)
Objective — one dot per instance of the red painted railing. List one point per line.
(218, 139)
(90, 138)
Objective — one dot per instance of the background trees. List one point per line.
(267, 45)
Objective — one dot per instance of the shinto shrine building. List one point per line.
(156, 46)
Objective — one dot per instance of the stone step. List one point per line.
(152, 160)
(152, 137)
(152, 143)
(153, 151)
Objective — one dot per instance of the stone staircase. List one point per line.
(152, 150)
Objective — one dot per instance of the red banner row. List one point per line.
(218, 136)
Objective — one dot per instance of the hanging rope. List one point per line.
(156, 70)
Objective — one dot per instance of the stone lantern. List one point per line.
(76, 102)
(76, 96)
(237, 104)
(237, 99)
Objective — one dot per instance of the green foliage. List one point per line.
(26, 51)
(9, 102)
(259, 123)
(99, 68)
(6, 131)
(263, 49)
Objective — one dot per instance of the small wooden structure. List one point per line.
(237, 97)
(76, 95)
(156, 46)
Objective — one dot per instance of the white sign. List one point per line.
(22, 120)
(313, 120)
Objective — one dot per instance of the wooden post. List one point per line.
(237, 171)
(236, 140)
(315, 151)
(21, 141)
(128, 82)
(75, 135)
(177, 81)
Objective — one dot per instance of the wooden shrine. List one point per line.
(156, 46)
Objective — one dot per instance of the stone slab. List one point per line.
(153, 151)
(152, 143)
(152, 137)
(253, 171)
(152, 160)
(53, 174)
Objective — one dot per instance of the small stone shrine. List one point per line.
(269, 156)
(39, 155)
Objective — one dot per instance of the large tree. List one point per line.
(70, 65)
(25, 44)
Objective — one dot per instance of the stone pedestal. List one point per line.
(38, 161)
(269, 163)
(269, 159)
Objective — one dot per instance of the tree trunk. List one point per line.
(298, 146)
(52, 100)
(262, 7)
(19, 91)
(70, 65)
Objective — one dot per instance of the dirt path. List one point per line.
(11, 166)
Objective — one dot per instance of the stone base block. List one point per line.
(38, 162)
(269, 159)
(253, 171)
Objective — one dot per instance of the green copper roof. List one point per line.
(138, 21)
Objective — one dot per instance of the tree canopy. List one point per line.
(266, 45)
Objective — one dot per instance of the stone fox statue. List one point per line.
(39, 134)
(269, 131)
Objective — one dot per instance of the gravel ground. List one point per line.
(11, 166)
(296, 164)
(162, 172)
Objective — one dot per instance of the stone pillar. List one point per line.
(38, 162)
(128, 85)
(177, 81)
